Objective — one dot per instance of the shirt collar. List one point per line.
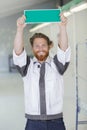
(48, 60)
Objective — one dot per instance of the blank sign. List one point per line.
(42, 16)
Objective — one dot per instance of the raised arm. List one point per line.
(63, 38)
(18, 42)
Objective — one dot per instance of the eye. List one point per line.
(44, 45)
(36, 46)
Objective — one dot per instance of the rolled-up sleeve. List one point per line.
(22, 62)
(19, 60)
(64, 56)
(62, 60)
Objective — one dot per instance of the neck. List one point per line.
(41, 61)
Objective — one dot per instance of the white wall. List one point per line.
(11, 102)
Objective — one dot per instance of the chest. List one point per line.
(51, 73)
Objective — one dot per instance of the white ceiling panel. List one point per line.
(8, 7)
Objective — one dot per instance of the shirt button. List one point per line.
(38, 66)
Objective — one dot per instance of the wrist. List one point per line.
(19, 29)
(63, 28)
(62, 25)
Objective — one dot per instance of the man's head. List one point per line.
(40, 44)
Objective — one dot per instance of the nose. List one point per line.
(40, 48)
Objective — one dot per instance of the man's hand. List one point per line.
(63, 20)
(21, 22)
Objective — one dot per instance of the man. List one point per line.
(43, 77)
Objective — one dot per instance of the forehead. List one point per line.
(40, 41)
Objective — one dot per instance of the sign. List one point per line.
(41, 16)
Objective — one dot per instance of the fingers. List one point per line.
(24, 17)
(63, 19)
(21, 22)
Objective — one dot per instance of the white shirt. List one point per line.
(54, 87)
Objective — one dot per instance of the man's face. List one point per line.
(40, 49)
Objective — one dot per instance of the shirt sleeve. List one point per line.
(62, 60)
(22, 62)
(19, 60)
(64, 56)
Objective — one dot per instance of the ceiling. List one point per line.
(9, 7)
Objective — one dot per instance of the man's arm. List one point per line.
(18, 42)
(62, 58)
(63, 38)
(21, 60)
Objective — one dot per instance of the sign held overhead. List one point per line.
(42, 16)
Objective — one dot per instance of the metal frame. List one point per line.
(77, 94)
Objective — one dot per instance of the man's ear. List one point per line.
(50, 46)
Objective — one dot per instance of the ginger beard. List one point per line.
(41, 55)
